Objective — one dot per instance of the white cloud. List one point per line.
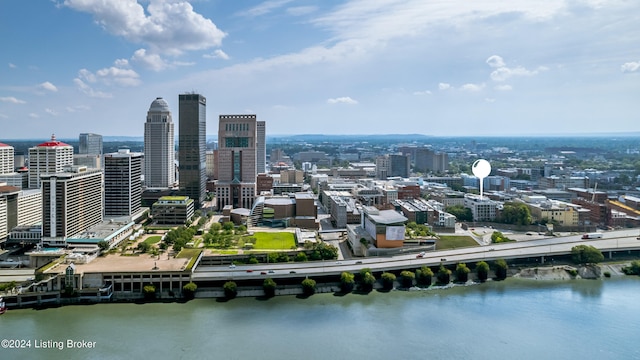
(34, 115)
(166, 26)
(48, 86)
(490, 100)
(342, 100)
(425, 92)
(149, 61)
(444, 86)
(51, 112)
(119, 76)
(12, 66)
(86, 89)
(503, 87)
(217, 54)
(301, 10)
(502, 72)
(630, 67)
(13, 100)
(495, 61)
(264, 8)
(73, 109)
(472, 87)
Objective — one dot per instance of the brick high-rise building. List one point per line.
(237, 161)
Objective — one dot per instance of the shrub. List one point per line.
(462, 273)
(308, 287)
(149, 292)
(230, 289)
(501, 269)
(387, 280)
(607, 274)
(189, 290)
(269, 287)
(368, 280)
(424, 276)
(347, 281)
(443, 276)
(482, 270)
(406, 278)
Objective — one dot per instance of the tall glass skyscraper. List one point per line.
(159, 146)
(90, 144)
(192, 146)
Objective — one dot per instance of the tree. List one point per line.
(424, 276)
(189, 290)
(230, 289)
(387, 280)
(347, 282)
(301, 256)
(406, 278)
(308, 287)
(144, 247)
(103, 245)
(501, 269)
(633, 269)
(586, 254)
(460, 212)
(497, 237)
(149, 292)
(443, 276)
(516, 213)
(482, 270)
(368, 280)
(269, 287)
(462, 273)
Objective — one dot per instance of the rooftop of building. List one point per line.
(159, 104)
(387, 217)
(53, 143)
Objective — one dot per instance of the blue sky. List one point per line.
(326, 67)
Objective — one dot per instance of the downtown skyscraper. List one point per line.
(192, 146)
(237, 161)
(159, 146)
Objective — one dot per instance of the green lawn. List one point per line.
(153, 239)
(274, 240)
(188, 253)
(454, 242)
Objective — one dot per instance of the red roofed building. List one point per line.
(48, 157)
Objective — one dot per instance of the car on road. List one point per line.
(263, 273)
(271, 271)
(249, 271)
(232, 266)
(421, 255)
(358, 262)
(292, 272)
(339, 262)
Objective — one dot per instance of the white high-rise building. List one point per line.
(6, 159)
(159, 146)
(71, 203)
(46, 158)
(122, 183)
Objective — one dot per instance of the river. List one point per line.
(514, 319)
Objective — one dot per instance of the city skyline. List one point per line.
(333, 67)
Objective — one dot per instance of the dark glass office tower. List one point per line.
(192, 146)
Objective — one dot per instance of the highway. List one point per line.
(617, 240)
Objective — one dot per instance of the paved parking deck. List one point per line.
(117, 263)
